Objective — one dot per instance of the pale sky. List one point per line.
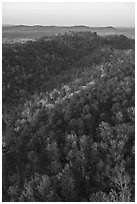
(90, 14)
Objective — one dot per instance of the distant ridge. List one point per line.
(17, 33)
(56, 26)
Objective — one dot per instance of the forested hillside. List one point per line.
(68, 119)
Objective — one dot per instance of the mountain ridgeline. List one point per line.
(23, 33)
(68, 119)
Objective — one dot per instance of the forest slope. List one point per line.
(68, 119)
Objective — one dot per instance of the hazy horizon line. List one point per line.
(106, 26)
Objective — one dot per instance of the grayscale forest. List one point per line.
(68, 119)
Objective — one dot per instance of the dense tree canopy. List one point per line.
(68, 119)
